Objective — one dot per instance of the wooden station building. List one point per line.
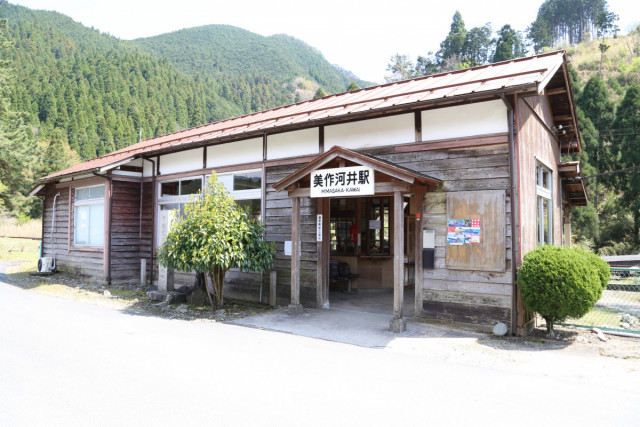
(443, 181)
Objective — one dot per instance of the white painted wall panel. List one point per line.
(147, 168)
(371, 133)
(481, 118)
(293, 144)
(234, 153)
(183, 161)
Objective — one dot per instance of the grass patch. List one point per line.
(11, 227)
(19, 249)
(601, 317)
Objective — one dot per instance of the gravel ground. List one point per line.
(132, 298)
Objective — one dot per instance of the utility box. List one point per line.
(428, 258)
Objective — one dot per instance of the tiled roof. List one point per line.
(523, 73)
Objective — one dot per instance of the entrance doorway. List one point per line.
(361, 252)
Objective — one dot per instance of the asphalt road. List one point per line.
(67, 363)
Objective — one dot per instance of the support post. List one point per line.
(321, 299)
(143, 271)
(273, 277)
(295, 307)
(398, 323)
(418, 274)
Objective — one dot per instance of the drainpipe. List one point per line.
(53, 221)
(515, 206)
(153, 217)
(108, 247)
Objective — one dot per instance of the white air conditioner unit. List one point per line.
(45, 264)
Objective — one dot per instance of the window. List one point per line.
(246, 189)
(360, 226)
(544, 205)
(378, 212)
(174, 195)
(89, 216)
(343, 229)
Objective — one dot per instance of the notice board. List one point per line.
(484, 250)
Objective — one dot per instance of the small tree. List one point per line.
(352, 86)
(559, 282)
(215, 235)
(319, 93)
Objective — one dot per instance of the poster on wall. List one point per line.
(463, 231)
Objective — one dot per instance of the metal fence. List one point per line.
(619, 307)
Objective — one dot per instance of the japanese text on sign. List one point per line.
(350, 181)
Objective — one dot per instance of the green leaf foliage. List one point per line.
(560, 282)
(215, 235)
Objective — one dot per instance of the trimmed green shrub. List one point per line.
(601, 266)
(559, 282)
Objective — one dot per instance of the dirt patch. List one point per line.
(571, 337)
(130, 298)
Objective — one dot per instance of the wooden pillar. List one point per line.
(322, 265)
(398, 323)
(295, 307)
(418, 274)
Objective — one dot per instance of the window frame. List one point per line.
(96, 201)
(179, 199)
(238, 195)
(544, 192)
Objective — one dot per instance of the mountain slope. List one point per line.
(222, 49)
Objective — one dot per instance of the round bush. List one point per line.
(559, 282)
(601, 266)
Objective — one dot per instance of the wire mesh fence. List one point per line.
(619, 307)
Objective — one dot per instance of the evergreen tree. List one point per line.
(17, 144)
(509, 45)
(628, 119)
(401, 68)
(452, 46)
(477, 43)
(352, 86)
(54, 157)
(426, 65)
(319, 93)
(597, 106)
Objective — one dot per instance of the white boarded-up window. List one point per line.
(488, 208)
(293, 144)
(371, 133)
(235, 153)
(482, 118)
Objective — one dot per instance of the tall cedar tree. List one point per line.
(452, 47)
(509, 45)
(628, 118)
(597, 106)
(17, 145)
(570, 21)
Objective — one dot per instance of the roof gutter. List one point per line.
(515, 208)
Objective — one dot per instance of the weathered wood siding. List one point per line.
(473, 297)
(536, 142)
(125, 231)
(146, 224)
(68, 258)
(278, 229)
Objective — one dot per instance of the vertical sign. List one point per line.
(319, 228)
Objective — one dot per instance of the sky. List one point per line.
(360, 36)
